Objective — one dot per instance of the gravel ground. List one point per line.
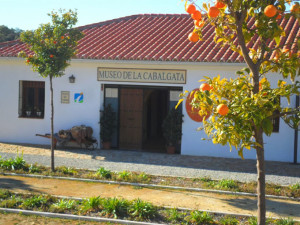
(157, 164)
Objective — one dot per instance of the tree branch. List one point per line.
(284, 113)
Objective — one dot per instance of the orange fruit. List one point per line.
(196, 15)
(295, 8)
(213, 12)
(199, 23)
(205, 87)
(276, 57)
(222, 109)
(193, 37)
(51, 56)
(62, 37)
(270, 11)
(220, 5)
(286, 50)
(191, 8)
(260, 86)
(279, 16)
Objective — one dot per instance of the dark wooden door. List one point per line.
(131, 118)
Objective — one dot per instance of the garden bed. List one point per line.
(19, 166)
(114, 208)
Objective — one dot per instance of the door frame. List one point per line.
(130, 86)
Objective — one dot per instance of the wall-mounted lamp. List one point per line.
(72, 79)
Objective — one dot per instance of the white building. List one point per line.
(139, 64)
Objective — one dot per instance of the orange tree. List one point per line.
(52, 45)
(242, 108)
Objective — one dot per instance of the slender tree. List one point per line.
(52, 46)
(242, 108)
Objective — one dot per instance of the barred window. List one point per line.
(31, 99)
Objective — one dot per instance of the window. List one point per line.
(276, 120)
(31, 99)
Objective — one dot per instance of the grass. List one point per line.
(18, 165)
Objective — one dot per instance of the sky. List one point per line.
(28, 15)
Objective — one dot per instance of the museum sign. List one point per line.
(141, 75)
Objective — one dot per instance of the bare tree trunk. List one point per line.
(52, 127)
(261, 181)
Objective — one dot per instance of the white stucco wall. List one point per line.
(279, 147)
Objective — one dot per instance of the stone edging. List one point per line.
(101, 219)
(74, 217)
(152, 186)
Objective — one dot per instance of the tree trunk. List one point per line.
(261, 182)
(52, 127)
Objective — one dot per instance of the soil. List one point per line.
(17, 219)
(160, 197)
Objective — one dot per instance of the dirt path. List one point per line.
(173, 198)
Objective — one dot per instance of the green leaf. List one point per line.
(277, 40)
(267, 126)
(240, 153)
(246, 70)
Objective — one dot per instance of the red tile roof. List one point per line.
(154, 37)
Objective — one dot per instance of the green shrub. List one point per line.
(124, 175)
(287, 221)
(66, 170)
(17, 163)
(295, 187)
(104, 173)
(5, 194)
(62, 205)
(115, 207)
(198, 217)
(34, 168)
(11, 202)
(34, 202)
(142, 210)
(173, 215)
(229, 220)
(227, 184)
(143, 177)
(92, 203)
(252, 221)
(205, 179)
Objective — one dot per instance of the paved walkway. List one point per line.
(156, 163)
